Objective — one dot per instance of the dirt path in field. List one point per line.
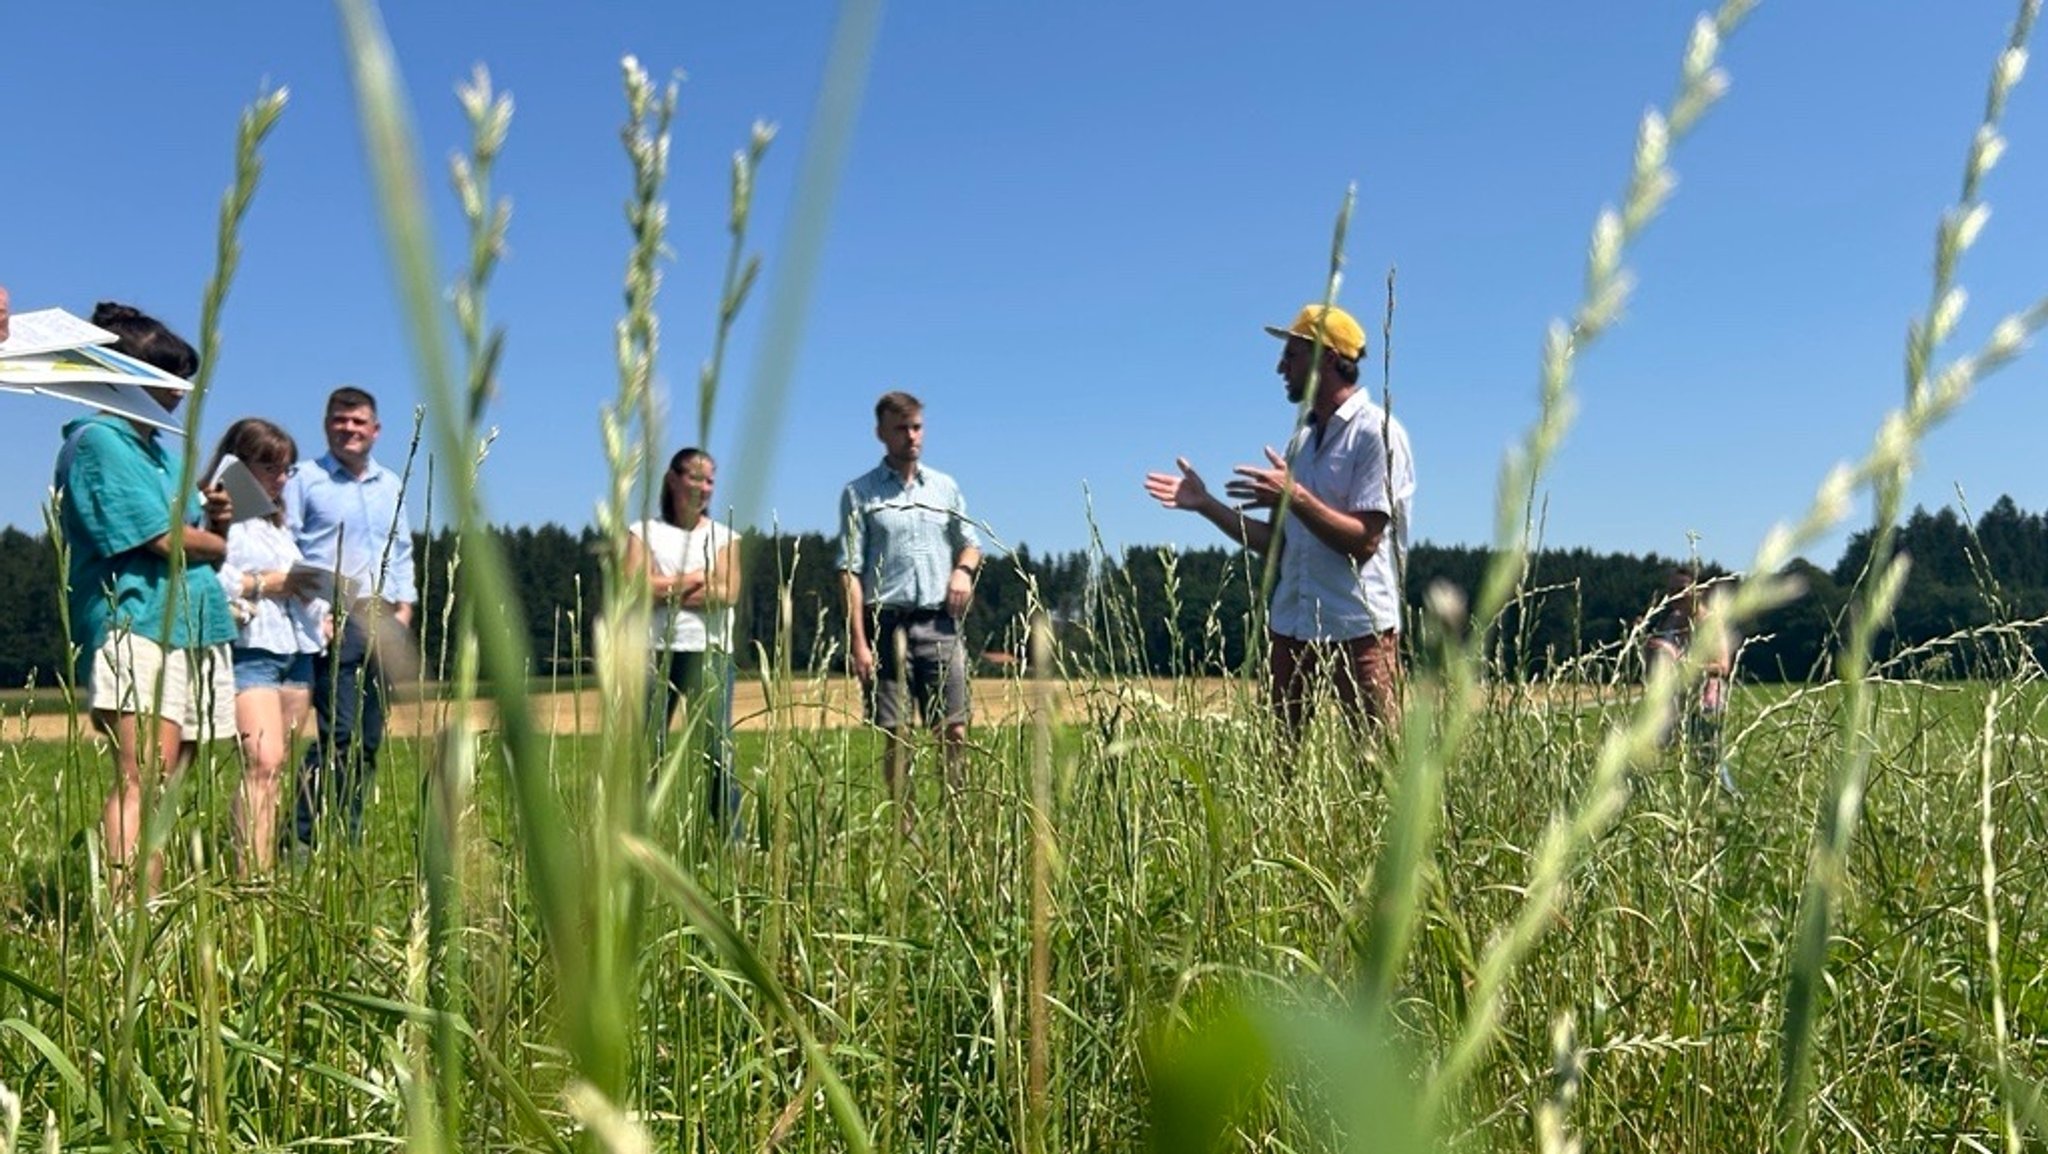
(808, 704)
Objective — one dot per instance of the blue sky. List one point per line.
(1063, 224)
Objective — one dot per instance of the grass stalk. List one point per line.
(590, 1016)
(452, 772)
(1929, 395)
(1433, 734)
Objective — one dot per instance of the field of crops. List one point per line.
(1206, 936)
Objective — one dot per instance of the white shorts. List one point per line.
(199, 684)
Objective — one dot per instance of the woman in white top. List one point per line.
(693, 568)
(281, 627)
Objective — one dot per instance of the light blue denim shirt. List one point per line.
(903, 539)
(1360, 464)
(362, 519)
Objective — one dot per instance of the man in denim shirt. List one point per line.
(908, 557)
(1347, 480)
(348, 514)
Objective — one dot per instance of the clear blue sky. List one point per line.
(1063, 224)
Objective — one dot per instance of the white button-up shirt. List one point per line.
(275, 624)
(1360, 463)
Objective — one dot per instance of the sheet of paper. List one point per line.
(243, 489)
(87, 363)
(323, 581)
(48, 331)
(121, 400)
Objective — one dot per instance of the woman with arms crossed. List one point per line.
(693, 569)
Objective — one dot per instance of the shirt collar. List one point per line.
(916, 473)
(333, 467)
(1353, 405)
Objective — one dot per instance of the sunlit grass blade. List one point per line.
(592, 1017)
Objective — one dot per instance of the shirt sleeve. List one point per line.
(295, 502)
(404, 582)
(959, 527)
(852, 542)
(115, 496)
(1368, 492)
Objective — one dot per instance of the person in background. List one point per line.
(281, 627)
(908, 557)
(347, 513)
(3, 312)
(1703, 708)
(151, 651)
(1347, 481)
(693, 571)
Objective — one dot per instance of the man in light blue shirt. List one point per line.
(348, 514)
(1347, 480)
(908, 557)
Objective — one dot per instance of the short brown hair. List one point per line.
(350, 397)
(897, 404)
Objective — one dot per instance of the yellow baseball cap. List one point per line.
(1341, 334)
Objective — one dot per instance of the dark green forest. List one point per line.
(1167, 612)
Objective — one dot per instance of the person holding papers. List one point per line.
(281, 625)
(152, 650)
(3, 312)
(348, 514)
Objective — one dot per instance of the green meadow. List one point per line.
(1207, 923)
(1517, 921)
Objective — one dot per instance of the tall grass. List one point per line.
(1522, 922)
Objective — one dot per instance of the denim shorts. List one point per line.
(262, 669)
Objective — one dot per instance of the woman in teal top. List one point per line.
(147, 647)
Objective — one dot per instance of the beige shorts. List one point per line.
(199, 684)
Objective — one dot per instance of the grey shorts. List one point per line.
(932, 666)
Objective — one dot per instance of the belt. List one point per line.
(892, 613)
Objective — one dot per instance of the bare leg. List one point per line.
(260, 718)
(121, 819)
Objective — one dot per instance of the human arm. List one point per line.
(403, 581)
(1188, 491)
(718, 585)
(860, 655)
(200, 544)
(1354, 533)
(960, 582)
(3, 312)
(209, 544)
(966, 558)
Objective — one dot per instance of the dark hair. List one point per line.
(147, 339)
(897, 404)
(676, 465)
(350, 397)
(255, 441)
(1682, 600)
(1345, 367)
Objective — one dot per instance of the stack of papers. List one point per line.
(54, 354)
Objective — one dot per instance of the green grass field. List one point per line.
(1198, 884)
(1518, 924)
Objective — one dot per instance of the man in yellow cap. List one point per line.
(1346, 483)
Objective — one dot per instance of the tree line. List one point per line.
(1169, 612)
